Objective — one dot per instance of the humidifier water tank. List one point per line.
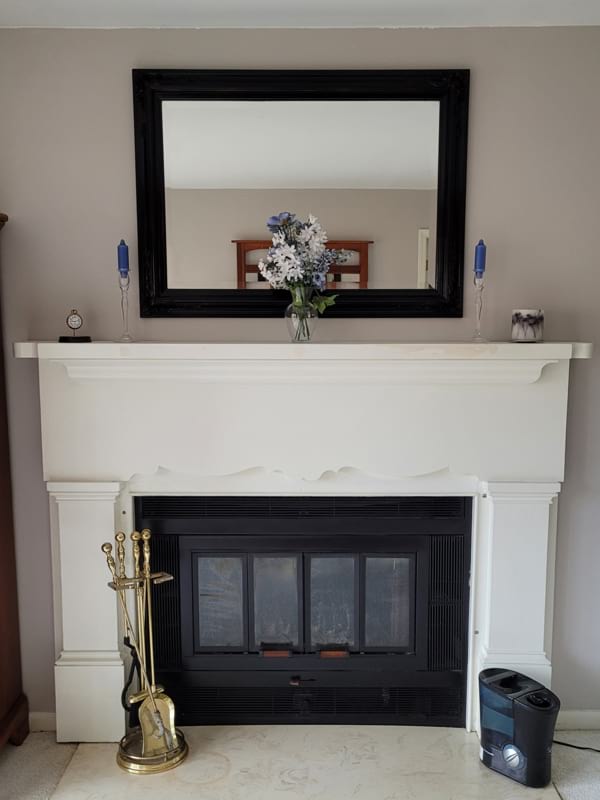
(518, 716)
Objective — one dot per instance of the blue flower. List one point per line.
(283, 218)
(319, 280)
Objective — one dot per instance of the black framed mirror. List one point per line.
(378, 155)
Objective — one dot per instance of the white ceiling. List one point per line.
(300, 145)
(295, 13)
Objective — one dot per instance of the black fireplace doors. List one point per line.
(312, 609)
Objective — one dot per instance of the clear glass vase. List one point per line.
(301, 316)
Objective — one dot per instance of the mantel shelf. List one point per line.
(343, 351)
(373, 362)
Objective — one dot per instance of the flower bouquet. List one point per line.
(299, 260)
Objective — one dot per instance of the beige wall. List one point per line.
(202, 222)
(67, 181)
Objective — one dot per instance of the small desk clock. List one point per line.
(74, 322)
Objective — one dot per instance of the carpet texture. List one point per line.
(576, 773)
(304, 762)
(33, 770)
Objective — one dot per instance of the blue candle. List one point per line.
(123, 259)
(480, 253)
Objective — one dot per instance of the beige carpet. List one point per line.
(302, 762)
(576, 773)
(33, 770)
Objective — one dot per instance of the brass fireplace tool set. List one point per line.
(155, 745)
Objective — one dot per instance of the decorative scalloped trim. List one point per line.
(263, 480)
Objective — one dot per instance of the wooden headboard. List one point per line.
(334, 276)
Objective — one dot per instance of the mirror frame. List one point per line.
(449, 87)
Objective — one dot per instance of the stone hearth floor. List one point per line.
(318, 762)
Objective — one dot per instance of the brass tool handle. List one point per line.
(140, 595)
(146, 547)
(107, 550)
(135, 538)
(120, 540)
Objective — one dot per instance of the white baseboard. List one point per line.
(578, 720)
(42, 721)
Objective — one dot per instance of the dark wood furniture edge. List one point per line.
(14, 727)
(360, 246)
(14, 723)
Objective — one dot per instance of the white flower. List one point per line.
(313, 237)
(295, 273)
(285, 256)
(268, 274)
(298, 256)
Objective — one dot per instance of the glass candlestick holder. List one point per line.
(124, 287)
(479, 284)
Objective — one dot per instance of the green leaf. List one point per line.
(321, 302)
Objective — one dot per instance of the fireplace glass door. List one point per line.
(320, 603)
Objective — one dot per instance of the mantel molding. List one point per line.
(511, 492)
(386, 372)
(381, 363)
(83, 491)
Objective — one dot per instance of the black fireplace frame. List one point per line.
(425, 685)
(195, 657)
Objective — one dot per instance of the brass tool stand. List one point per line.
(156, 745)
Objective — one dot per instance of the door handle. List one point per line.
(298, 680)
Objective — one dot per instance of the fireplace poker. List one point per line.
(134, 670)
(148, 602)
(139, 600)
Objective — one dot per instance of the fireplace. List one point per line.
(439, 420)
(312, 609)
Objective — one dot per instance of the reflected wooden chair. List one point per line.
(354, 275)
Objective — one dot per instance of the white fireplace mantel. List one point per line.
(497, 362)
(481, 420)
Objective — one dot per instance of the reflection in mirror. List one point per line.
(368, 171)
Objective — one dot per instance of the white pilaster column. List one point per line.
(515, 624)
(89, 670)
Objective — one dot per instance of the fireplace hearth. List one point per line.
(312, 609)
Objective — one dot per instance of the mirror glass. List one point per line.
(367, 169)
